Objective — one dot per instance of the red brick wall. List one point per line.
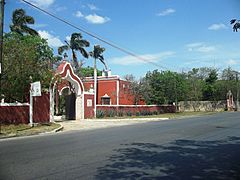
(12, 114)
(88, 111)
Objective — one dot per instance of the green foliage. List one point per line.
(138, 113)
(97, 54)
(89, 72)
(210, 88)
(20, 23)
(24, 57)
(100, 114)
(146, 113)
(77, 43)
(120, 113)
(111, 113)
(166, 87)
(163, 87)
(129, 113)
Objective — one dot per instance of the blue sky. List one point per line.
(176, 35)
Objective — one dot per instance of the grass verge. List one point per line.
(166, 115)
(25, 130)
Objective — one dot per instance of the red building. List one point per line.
(111, 90)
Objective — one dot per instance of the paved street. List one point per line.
(205, 147)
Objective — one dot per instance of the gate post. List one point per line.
(80, 107)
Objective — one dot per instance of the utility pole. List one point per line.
(1, 48)
(1, 42)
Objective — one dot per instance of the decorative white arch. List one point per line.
(65, 71)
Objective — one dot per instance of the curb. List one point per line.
(57, 129)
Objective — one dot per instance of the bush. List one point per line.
(155, 112)
(111, 113)
(100, 114)
(138, 113)
(120, 113)
(129, 113)
(146, 113)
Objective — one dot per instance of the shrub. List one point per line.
(138, 113)
(161, 111)
(129, 113)
(100, 114)
(155, 112)
(144, 113)
(111, 113)
(120, 113)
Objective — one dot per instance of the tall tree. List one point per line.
(135, 87)
(96, 54)
(236, 24)
(195, 85)
(20, 22)
(210, 88)
(77, 43)
(25, 56)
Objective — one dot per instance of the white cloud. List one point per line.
(216, 27)
(68, 38)
(79, 14)
(206, 49)
(60, 8)
(52, 40)
(148, 58)
(42, 3)
(166, 12)
(232, 62)
(96, 19)
(200, 47)
(92, 7)
(38, 26)
(193, 45)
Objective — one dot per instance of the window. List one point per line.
(105, 100)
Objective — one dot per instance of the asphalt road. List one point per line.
(205, 147)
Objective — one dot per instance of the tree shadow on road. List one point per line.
(182, 159)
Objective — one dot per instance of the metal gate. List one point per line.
(70, 105)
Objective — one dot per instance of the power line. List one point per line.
(94, 36)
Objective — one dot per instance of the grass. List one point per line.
(185, 114)
(167, 115)
(25, 130)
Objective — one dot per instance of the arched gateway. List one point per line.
(71, 81)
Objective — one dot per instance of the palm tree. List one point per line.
(97, 54)
(76, 44)
(236, 24)
(20, 22)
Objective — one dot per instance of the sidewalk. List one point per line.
(90, 124)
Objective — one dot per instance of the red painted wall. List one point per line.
(88, 111)
(41, 108)
(125, 95)
(109, 86)
(14, 114)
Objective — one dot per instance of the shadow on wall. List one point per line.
(183, 159)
